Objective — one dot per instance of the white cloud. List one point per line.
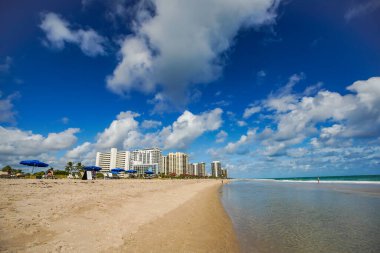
(188, 127)
(125, 133)
(328, 118)
(241, 123)
(134, 71)
(19, 145)
(221, 136)
(151, 124)
(241, 146)
(248, 112)
(368, 93)
(80, 151)
(119, 130)
(7, 112)
(174, 56)
(58, 32)
(354, 116)
(283, 100)
(362, 9)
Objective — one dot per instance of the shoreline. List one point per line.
(114, 215)
(202, 221)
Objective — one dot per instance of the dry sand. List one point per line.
(114, 216)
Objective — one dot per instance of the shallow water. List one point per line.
(304, 217)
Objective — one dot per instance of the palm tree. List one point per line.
(69, 167)
(79, 167)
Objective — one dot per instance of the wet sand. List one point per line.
(114, 216)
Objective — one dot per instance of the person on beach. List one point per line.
(318, 180)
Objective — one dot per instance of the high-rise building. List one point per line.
(216, 169)
(113, 159)
(197, 169)
(224, 173)
(165, 165)
(201, 169)
(145, 159)
(177, 163)
(192, 169)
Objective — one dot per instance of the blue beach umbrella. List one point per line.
(117, 170)
(34, 163)
(131, 171)
(149, 172)
(92, 168)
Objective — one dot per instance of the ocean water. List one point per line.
(276, 216)
(336, 179)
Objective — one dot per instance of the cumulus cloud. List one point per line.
(80, 151)
(127, 133)
(151, 124)
(188, 127)
(18, 142)
(242, 145)
(120, 129)
(172, 57)
(59, 32)
(221, 136)
(283, 100)
(325, 120)
(248, 112)
(7, 112)
(19, 145)
(354, 115)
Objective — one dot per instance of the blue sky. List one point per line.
(271, 88)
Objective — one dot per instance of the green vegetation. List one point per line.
(70, 168)
(11, 171)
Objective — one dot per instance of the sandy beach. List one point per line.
(114, 216)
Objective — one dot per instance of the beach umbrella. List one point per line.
(149, 172)
(117, 170)
(92, 168)
(34, 163)
(131, 171)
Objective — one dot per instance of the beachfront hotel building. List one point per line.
(113, 159)
(140, 160)
(224, 173)
(197, 169)
(216, 169)
(192, 169)
(175, 163)
(145, 159)
(201, 169)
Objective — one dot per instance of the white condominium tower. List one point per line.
(216, 169)
(144, 159)
(113, 159)
(175, 163)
